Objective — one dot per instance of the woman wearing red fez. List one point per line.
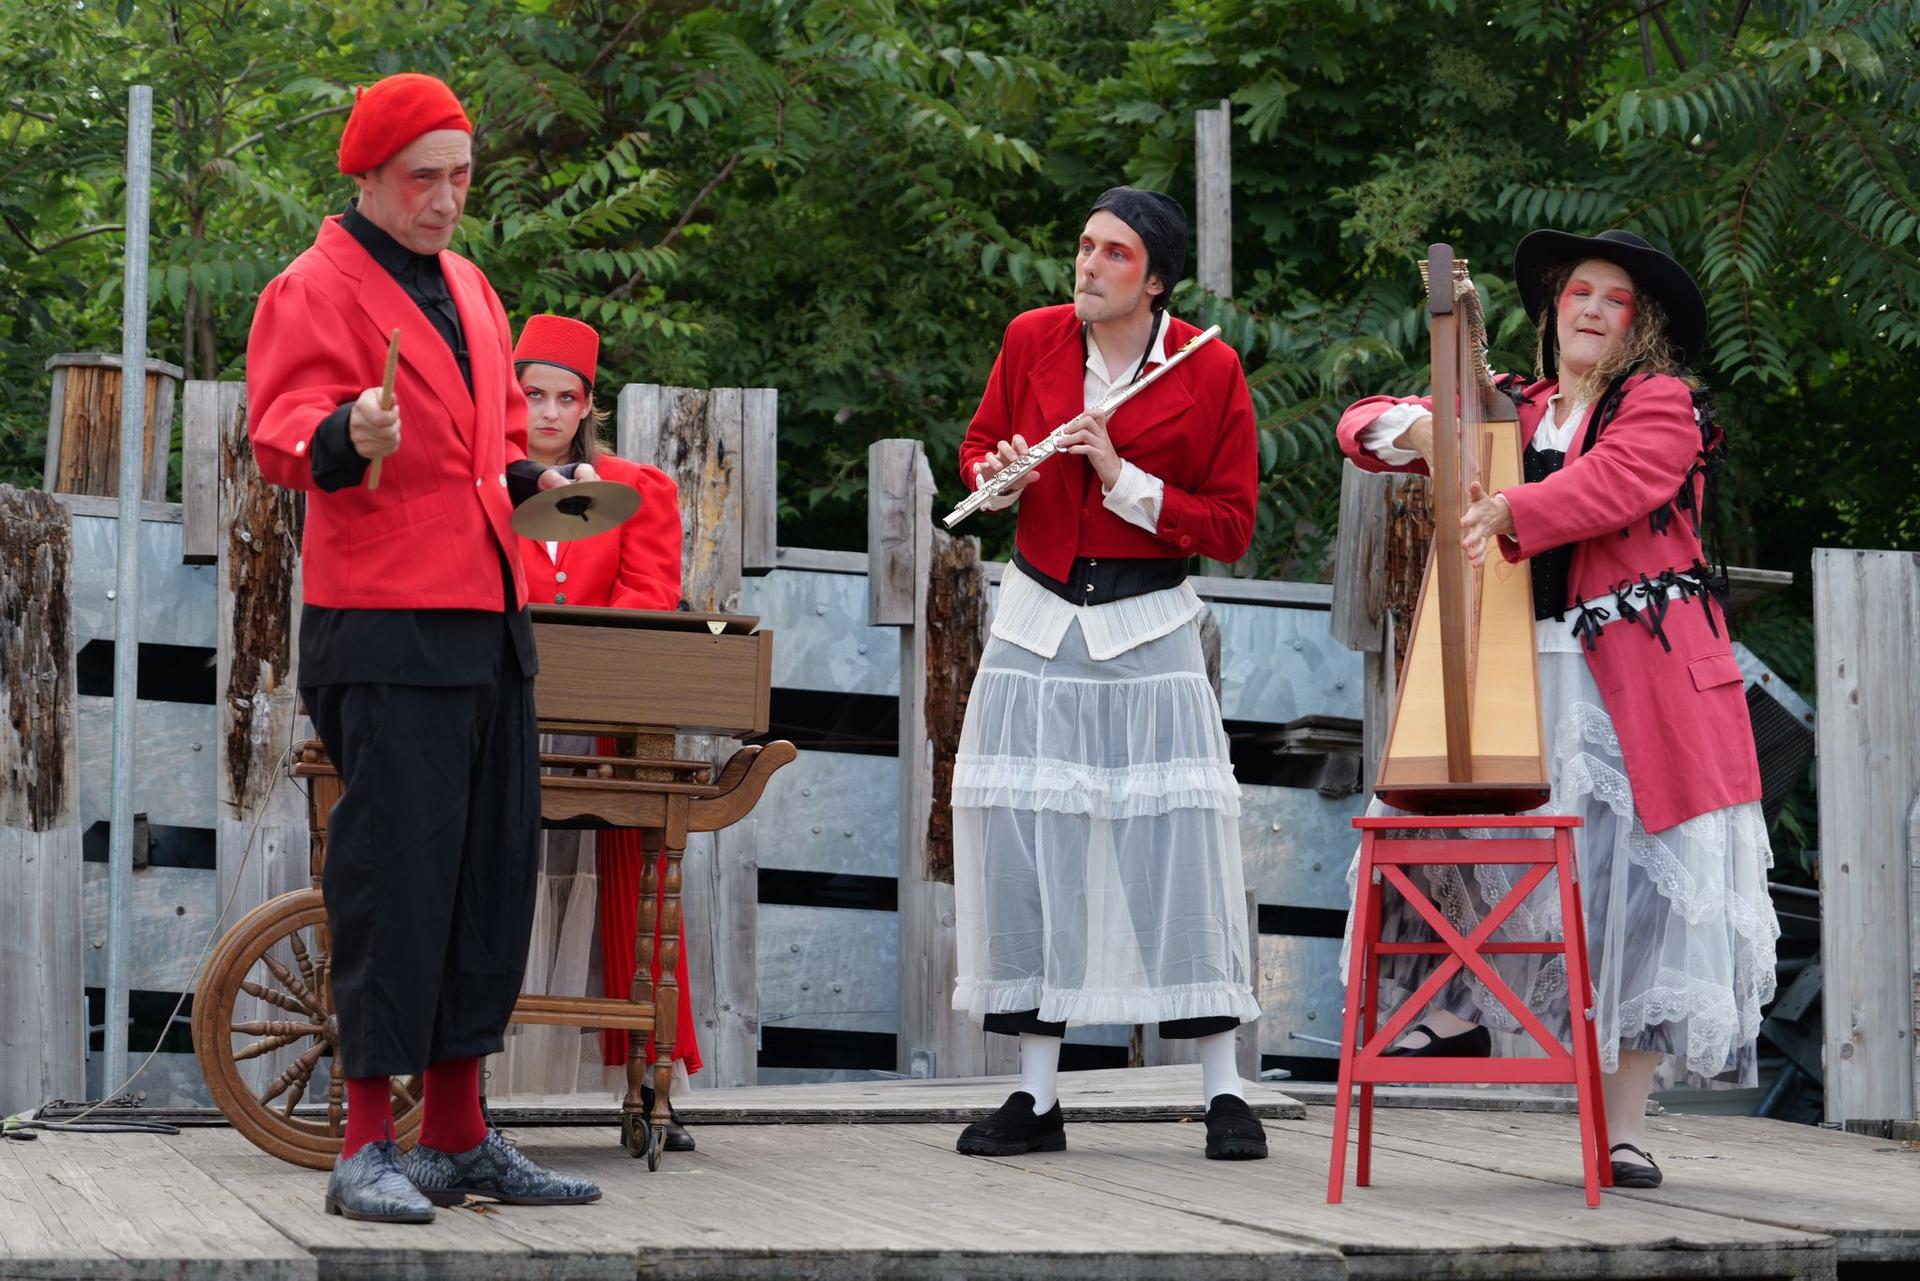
(634, 567)
(1642, 699)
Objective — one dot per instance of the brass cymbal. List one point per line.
(579, 510)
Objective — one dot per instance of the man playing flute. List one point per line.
(416, 655)
(1097, 853)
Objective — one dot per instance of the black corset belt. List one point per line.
(1099, 580)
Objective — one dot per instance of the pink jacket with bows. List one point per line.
(1664, 666)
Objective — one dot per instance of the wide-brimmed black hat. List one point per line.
(1653, 272)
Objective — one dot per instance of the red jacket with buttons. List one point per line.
(636, 566)
(432, 535)
(1193, 429)
(1679, 708)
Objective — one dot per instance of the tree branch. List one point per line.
(49, 247)
(673, 233)
(252, 138)
(613, 45)
(20, 106)
(1667, 36)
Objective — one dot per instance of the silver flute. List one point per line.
(1047, 448)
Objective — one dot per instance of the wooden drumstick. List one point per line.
(386, 399)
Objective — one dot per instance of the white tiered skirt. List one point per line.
(1097, 872)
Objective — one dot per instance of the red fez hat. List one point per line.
(569, 344)
(392, 113)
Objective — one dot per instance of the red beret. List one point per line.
(392, 113)
(560, 340)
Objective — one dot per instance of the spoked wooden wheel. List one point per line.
(265, 1033)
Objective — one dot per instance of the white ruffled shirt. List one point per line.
(1030, 616)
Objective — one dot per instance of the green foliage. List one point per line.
(848, 199)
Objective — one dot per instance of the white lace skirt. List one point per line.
(1097, 872)
(1680, 929)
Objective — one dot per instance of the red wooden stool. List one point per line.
(1388, 847)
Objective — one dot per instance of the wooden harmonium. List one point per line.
(608, 669)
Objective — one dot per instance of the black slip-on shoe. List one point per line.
(1234, 1133)
(1014, 1130)
(1634, 1174)
(1474, 1043)
(678, 1140)
(371, 1186)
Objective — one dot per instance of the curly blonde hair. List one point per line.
(1646, 348)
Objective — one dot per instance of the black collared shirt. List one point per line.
(410, 646)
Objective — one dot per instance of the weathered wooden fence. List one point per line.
(1866, 607)
(820, 931)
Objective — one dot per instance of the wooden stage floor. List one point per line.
(1458, 1193)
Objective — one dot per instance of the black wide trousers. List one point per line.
(432, 853)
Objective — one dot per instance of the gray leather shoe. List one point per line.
(371, 1185)
(497, 1170)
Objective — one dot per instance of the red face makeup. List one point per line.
(1614, 305)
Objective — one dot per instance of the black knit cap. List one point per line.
(1161, 224)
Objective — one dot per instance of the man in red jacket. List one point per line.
(416, 656)
(1096, 843)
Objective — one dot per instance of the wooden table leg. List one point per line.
(667, 994)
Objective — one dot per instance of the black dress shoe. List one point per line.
(1234, 1133)
(1474, 1043)
(1634, 1174)
(1014, 1130)
(678, 1140)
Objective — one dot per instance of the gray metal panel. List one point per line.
(833, 812)
(178, 603)
(1280, 664)
(1758, 673)
(1300, 991)
(828, 967)
(1296, 845)
(822, 640)
(175, 771)
(170, 1081)
(173, 911)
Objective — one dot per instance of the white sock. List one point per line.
(1040, 1070)
(1219, 1072)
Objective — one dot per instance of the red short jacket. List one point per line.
(1193, 429)
(432, 535)
(636, 566)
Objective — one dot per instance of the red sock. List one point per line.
(453, 1121)
(369, 1113)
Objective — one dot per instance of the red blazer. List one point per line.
(1193, 429)
(431, 536)
(636, 566)
(1680, 712)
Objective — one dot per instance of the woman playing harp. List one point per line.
(1647, 732)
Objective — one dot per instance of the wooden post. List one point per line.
(760, 499)
(933, 1039)
(261, 841)
(700, 438)
(42, 999)
(200, 453)
(83, 425)
(1866, 607)
(722, 925)
(703, 439)
(1213, 197)
(1379, 562)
